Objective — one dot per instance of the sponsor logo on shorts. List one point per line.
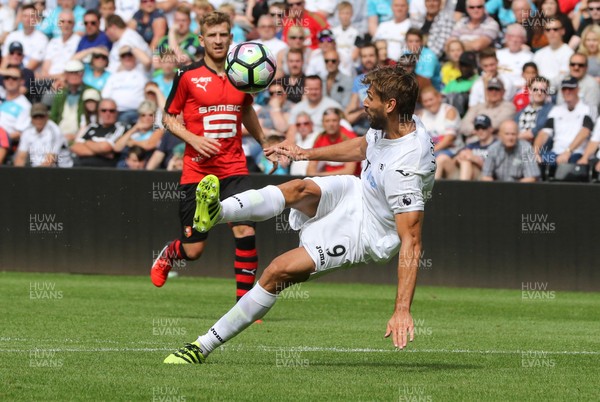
(402, 172)
(321, 255)
(187, 232)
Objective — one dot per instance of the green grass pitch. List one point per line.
(103, 338)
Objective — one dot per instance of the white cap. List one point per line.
(74, 66)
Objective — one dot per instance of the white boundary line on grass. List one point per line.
(311, 349)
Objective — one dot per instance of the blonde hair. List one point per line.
(582, 48)
(147, 106)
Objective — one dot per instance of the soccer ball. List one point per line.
(250, 67)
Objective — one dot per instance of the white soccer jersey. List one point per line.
(398, 177)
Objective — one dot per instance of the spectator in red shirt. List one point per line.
(333, 133)
(313, 23)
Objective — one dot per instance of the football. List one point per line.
(250, 67)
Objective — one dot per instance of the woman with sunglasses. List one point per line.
(95, 74)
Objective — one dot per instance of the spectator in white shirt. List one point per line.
(513, 56)
(266, 35)
(120, 36)
(126, 86)
(14, 110)
(43, 143)
(305, 138)
(61, 49)
(488, 62)
(553, 60)
(34, 42)
(346, 34)
(394, 31)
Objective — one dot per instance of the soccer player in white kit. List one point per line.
(343, 220)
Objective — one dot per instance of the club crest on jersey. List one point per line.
(201, 82)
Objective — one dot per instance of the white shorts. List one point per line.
(332, 237)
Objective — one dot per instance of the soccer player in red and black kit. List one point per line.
(213, 113)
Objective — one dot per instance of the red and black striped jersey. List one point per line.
(212, 107)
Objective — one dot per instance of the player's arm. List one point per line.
(206, 147)
(354, 150)
(250, 121)
(408, 225)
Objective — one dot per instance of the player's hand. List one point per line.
(398, 326)
(289, 150)
(206, 147)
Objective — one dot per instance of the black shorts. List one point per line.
(187, 206)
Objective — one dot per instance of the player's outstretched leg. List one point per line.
(295, 266)
(251, 205)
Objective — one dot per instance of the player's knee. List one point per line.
(243, 231)
(193, 251)
(277, 277)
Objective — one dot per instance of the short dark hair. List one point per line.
(416, 32)
(395, 83)
(313, 77)
(93, 12)
(115, 20)
(487, 53)
(531, 64)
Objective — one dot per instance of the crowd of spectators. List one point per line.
(510, 90)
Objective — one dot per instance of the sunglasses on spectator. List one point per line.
(295, 37)
(124, 55)
(305, 123)
(539, 90)
(578, 65)
(99, 56)
(553, 29)
(276, 14)
(594, 8)
(11, 77)
(333, 61)
(494, 89)
(39, 116)
(328, 39)
(92, 23)
(273, 93)
(17, 53)
(108, 110)
(475, 7)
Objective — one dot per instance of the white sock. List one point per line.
(253, 205)
(251, 307)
